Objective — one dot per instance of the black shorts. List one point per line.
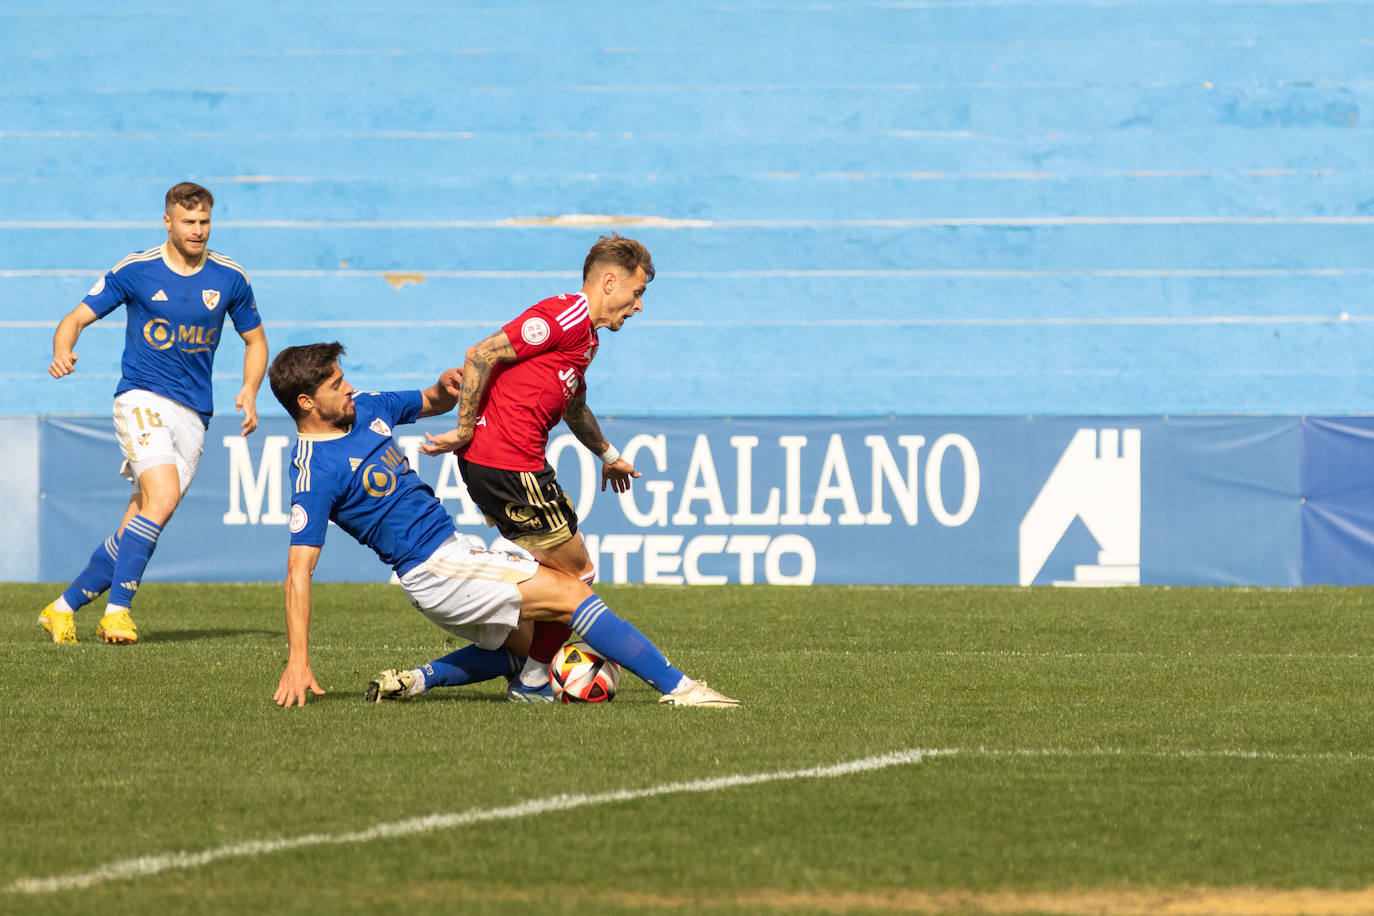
(522, 504)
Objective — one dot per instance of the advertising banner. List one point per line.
(1069, 501)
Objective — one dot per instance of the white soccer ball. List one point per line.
(579, 675)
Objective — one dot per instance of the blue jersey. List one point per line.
(362, 482)
(174, 322)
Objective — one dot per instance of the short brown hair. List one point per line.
(190, 195)
(620, 251)
(302, 370)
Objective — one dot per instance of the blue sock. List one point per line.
(96, 577)
(135, 547)
(619, 641)
(470, 665)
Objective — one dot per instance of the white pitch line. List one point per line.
(1177, 754)
(143, 866)
(585, 220)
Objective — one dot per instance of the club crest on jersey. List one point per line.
(210, 297)
(379, 427)
(98, 288)
(298, 518)
(535, 331)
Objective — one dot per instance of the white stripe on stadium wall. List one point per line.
(584, 221)
(1048, 321)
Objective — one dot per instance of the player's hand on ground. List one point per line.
(62, 364)
(247, 403)
(446, 442)
(294, 683)
(618, 474)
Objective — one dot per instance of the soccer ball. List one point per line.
(579, 675)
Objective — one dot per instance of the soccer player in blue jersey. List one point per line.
(348, 469)
(176, 298)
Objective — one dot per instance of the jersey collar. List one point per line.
(204, 256)
(323, 437)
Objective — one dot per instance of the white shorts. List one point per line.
(470, 591)
(154, 430)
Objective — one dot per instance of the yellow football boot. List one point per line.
(118, 627)
(61, 626)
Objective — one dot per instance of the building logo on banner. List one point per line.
(1097, 481)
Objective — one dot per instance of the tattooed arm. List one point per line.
(583, 424)
(482, 358)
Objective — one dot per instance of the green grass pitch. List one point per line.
(1095, 751)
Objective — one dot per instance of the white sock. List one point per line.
(534, 674)
(61, 605)
(417, 687)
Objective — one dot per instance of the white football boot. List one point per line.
(696, 693)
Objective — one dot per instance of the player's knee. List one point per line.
(574, 591)
(158, 508)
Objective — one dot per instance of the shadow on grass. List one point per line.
(193, 635)
(458, 695)
(357, 697)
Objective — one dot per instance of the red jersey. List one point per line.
(554, 343)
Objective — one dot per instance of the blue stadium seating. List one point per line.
(985, 207)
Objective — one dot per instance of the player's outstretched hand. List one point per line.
(618, 474)
(446, 442)
(63, 364)
(248, 404)
(294, 683)
(452, 380)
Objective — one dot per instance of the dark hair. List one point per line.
(190, 195)
(302, 370)
(620, 251)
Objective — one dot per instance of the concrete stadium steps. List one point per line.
(723, 109)
(977, 207)
(344, 153)
(711, 198)
(904, 58)
(730, 26)
(723, 369)
(335, 298)
(1076, 246)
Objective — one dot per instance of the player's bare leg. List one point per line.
(58, 618)
(569, 557)
(550, 594)
(159, 494)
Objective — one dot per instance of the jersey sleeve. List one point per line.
(309, 519)
(108, 294)
(396, 407)
(244, 308)
(534, 331)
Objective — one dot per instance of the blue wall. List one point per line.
(792, 500)
(855, 208)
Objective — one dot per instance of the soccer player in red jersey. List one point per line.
(517, 384)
